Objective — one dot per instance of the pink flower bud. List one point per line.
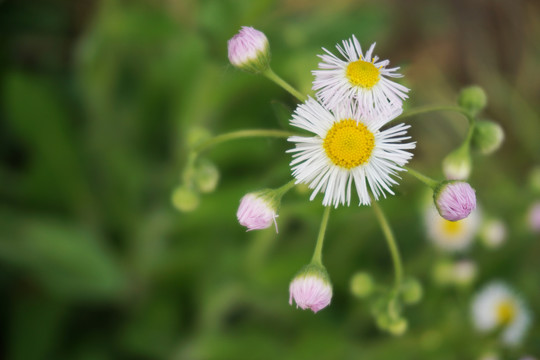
(249, 50)
(256, 212)
(534, 217)
(455, 200)
(311, 289)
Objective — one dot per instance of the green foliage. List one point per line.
(99, 104)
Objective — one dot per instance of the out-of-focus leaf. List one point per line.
(66, 260)
(39, 319)
(283, 113)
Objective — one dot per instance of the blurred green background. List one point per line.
(97, 100)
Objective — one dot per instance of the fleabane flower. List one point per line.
(454, 200)
(249, 50)
(497, 307)
(257, 211)
(451, 236)
(361, 77)
(347, 148)
(311, 288)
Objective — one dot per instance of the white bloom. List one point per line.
(451, 235)
(493, 233)
(498, 307)
(347, 148)
(360, 77)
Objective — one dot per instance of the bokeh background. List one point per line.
(97, 102)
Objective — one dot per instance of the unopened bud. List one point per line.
(487, 137)
(472, 98)
(411, 291)
(249, 50)
(185, 199)
(206, 176)
(457, 165)
(362, 285)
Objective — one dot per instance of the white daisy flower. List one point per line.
(361, 77)
(347, 148)
(448, 235)
(496, 306)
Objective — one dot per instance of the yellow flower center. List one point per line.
(363, 73)
(349, 143)
(452, 227)
(506, 312)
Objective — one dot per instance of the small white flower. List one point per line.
(451, 235)
(493, 233)
(360, 77)
(497, 307)
(347, 148)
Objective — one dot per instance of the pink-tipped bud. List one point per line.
(455, 200)
(311, 288)
(534, 217)
(256, 211)
(249, 50)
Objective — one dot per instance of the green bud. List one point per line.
(487, 136)
(399, 327)
(472, 98)
(362, 285)
(206, 176)
(185, 199)
(197, 135)
(457, 165)
(411, 291)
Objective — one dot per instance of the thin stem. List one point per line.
(288, 186)
(270, 74)
(423, 178)
(428, 109)
(317, 254)
(392, 245)
(240, 135)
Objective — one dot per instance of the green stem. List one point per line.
(423, 178)
(240, 135)
(317, 254)
(270, 74)
(288, 186)
(392, 245)
(428, 109)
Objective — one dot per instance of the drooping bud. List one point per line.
(206, 176)
(454, 200)
(411, 291)
(185, 199)
(311, 288)
(457, 165)
(258, 210)
(249, 50)
(472, 98)
(487, 136)
(362, 285)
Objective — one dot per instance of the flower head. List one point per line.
(249, 50)
(455, 200)
(361, 77)
(257, 211)
(496, 306)
(311, 288)
(347, 148)
(451, 236)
